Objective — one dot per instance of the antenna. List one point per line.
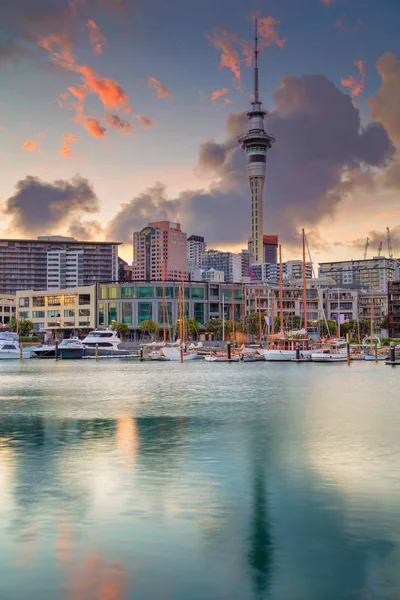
(255, 62)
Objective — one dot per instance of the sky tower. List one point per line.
(256, 143)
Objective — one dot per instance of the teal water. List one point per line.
(131, 481)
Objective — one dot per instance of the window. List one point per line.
(112, 312)
(69, 313)
(100, 314)
(24, 314)
(38, 326)
(198, 312)
(103, 293)
(68, 300)
(84, 299)
(214, 307)
(83, 324)
(127, 292)
(168, 313)
(38, 301)
(54, 301)
(114, 292)
(38, 314)
(145, 311)
(84, 312)
(144, 292)
(127, 313)
(198, 292)
(24, 302)
(168, 292)
(53, 313)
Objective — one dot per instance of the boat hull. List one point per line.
(51, 353)
(90, 351)
(14, 354)
(284, 355)
(71, 353)
(328, 358)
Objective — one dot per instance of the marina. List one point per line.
(142, 477)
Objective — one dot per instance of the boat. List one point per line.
(329, 353)
(371, 357)
(107, 342)
(71, 348)
(171, 353)
(285, 349)
(247, 357)
(10, 348)
(44, 351)
(222, 358)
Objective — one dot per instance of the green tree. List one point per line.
(121, 328)
(192, 327)
(252, 323)
(331, 330)
(150, 327)
(384, 324)
(24, 326)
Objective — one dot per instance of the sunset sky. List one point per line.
(114, 112)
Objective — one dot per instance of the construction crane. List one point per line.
(380, 248)
(389, 242)
(366, 248)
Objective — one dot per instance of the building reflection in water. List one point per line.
(127, 440)
(97, 578)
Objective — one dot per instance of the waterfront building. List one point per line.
(266, 296)
(67, 310)
(394, 309)
(372, 273)
(256, 142)
(52, 261)
(160, 250)
(134, 302)
(291, 269)
(270, 253)
(342, 301)
(213, 275)
(374, 305)
(228, 262)
(7, 309)
(195, 248)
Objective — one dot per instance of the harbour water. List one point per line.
(130, 481)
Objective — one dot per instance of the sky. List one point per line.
(117, 112)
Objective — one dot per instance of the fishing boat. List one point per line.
(10, 348)
(329, 353)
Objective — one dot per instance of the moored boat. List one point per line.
(10, 348)
(107, 342)
(329, 354)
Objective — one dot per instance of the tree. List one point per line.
(24, 326)
(290, 321)
(384, 324)
(121, 328)
(252, 323)
(150, 327)
(331, 327)
(192, 327)
(215, 326)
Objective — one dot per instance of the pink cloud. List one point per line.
(121, 125)
(161, 89)
(145, 122)
(218, 93)
(227, 101)
(96, 37)
(356, 84)
(30, 145)
(65, 149)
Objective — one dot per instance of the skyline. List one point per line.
(137, 134)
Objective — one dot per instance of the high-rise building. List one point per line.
(195, 248)
(256, 143)
(160, 250)
(229, 263)
(246, 259)
(291, 269)
(55, 261)
(270, 253)
(394, 309)
(372, 273)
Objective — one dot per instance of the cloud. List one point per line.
(125, 127)
(384, 104)
(218, 93)
(236, 51)
(327, 2)
(356, 84)
(109, 91)
(321, 155)
(41, 134)
(161, 89)
(146, 122)
(13, 51)
(86, 230)
(68, 139)
(93, 126)
(227, 101)
(39, 206)
(30, 145)
(375, 237)
(96, 37)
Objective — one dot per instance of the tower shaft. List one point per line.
(256, 143)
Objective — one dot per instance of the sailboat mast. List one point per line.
(273, 312)
(371, 335)
(223, 318)
(304, 282)
(259, 313)
(183, 310)
(163, 299)
(233, 309)
(243, 311)
(281, 287)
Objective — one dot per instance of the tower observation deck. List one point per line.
(256, 143)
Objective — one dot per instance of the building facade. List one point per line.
(7, 309)
(195, 248)
(373, 306)
(132, 303)
(160, 250)
(291, 269)
(394, 309)
(342, 302)
(35, 264)
(67, 310)
(270, 254)
(267, 298)
(229, 263)
(372, 273)
(213, 275)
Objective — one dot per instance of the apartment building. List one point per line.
(394, 309)
(228, 262)
(7, 309)
(373, 273)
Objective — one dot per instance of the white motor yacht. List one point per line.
(10, 348)
(107, 342)
(329, 353)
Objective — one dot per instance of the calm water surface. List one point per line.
(122, 480)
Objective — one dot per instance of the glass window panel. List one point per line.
(168, 292)
(237, 294)
(103, 293)
(168, 313)
(23, 314)
(144, 292)
(112, 312)
(69, 313)
(38, 301)
(53, 313)
(54, 301)
(69, 300)
(198, 312)
(101, 313)
(114, 292)
(127, 292)
(145, 311)
(24, 302)
(127, 313)
(84, 312)
(198, 292)
(38, 314)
